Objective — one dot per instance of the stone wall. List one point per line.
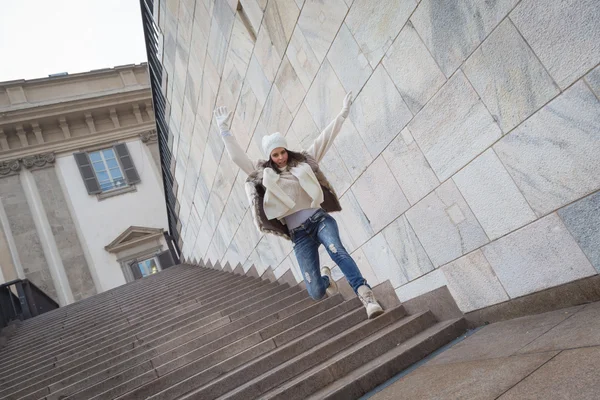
(470, 156)
(7, 268)
(65, 234)
(25, 234)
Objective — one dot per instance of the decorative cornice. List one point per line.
(10, 167)
(54, 109)
(149, 136)
(78, 142)
(126, 240)
(38, 160)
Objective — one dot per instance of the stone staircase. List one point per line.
(205, 333)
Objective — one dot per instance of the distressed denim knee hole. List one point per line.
(307, 277)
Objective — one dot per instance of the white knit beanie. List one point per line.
(271, 142)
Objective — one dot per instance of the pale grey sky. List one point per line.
(42, 37)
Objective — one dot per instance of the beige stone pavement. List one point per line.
(555, 355)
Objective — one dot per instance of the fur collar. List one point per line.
(256, 192)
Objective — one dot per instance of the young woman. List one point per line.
(291, 197)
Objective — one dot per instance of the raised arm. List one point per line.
(236, 153)
(324, 141)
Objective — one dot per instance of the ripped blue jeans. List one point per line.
(322, 229)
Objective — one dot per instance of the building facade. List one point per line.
(82, 208)
(469, 158)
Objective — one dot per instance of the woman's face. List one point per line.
(280, 156)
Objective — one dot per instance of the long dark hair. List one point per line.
(294, 158)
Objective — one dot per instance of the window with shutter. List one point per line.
(131, 174)
(146, 267)
(165, 259)
(108, 169)
(135, 270)
(87, 173)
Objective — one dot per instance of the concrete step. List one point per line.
(318, 359)
(243, 297)
(221, 341)
(107, 295)
(206, 368)
(132, 344)
(87, 305)
(53, 329)
(119, 326)
(193, 342)
(118, 332)
(207, 333)
(121, 304)
(310, 350)
(82, 343)
(229, 373)
(370, 375)
(73, 309)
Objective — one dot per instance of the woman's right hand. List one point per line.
(223, 118)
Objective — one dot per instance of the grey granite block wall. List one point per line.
(582, 220)
(471, 143)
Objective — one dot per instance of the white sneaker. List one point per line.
(365, 294)
(332, 290)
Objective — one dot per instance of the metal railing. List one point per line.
(20, 299)
(151, 34)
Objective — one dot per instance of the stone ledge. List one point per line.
(116, 192)
(441, 302)
(570, 294)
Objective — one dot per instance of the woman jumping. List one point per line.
(290, 197)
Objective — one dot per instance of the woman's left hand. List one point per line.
(347, 104)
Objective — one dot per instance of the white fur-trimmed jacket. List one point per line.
(255, 185)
